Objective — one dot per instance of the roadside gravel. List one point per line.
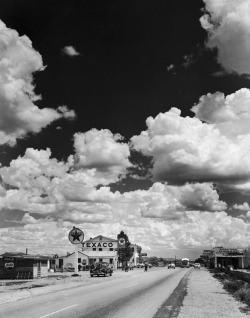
(206, 298)
(15, 290)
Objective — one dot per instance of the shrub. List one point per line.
(243, 294)
(233, 285)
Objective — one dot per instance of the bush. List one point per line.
(243, 294)
(233, 285)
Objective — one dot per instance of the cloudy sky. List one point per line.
(125, 115)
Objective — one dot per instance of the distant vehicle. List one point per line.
(197, 265)
(171, 265)
(185, 262)
(150, 265)
(140, 265)
(160, 264)
(101, 269)
(69, 267)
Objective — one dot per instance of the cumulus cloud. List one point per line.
(19, 115)
(71, 51)
(103, 153)
(55, 197)
(171, 202)
(244, 206)
(185, 149)
(195, 231)
(228, 26)
(230, 114)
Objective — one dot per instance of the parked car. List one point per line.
(69, 267)
(171, 265)
(140, 265)
(150, 265)
(197, 265)
(101, 269)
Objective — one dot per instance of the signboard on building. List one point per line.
(220, 251)
(76, 236)
(99, 244)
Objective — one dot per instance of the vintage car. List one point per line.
(197, 265)
(101, 269)
(171, 265)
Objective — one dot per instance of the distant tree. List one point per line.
(153, 260)
(124, 253)
(199, 260)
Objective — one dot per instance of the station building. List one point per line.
(23, 266)
(222, 257)
(97, 249)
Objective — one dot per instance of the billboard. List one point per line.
(220, 251)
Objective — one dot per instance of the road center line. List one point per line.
(128, 286)
(58, 311)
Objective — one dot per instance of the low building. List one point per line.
(62, 261)
(23, 266)
(96, 249)
(101, 249)
(223, 257)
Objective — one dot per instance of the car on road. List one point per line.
(150, 265)
(197, 265)
(140, 265)
(171, 265)
(101, 269)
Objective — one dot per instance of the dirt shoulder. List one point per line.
(12, 290)
(206, 298)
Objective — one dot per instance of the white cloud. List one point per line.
(185, 149)
(244, 206)
(19, 114)
(228, 26)
(230, 114)
(170, 67)
(70, 50)
(195, 230)
(103, 153)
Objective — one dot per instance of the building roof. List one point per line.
(101, 238)
(24, 255)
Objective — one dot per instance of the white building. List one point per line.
(62, 261)
(97, 249)
(101, 249)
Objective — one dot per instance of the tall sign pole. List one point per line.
(76, 237)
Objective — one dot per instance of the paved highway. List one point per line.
(137, 294)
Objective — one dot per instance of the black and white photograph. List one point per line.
(124, 158)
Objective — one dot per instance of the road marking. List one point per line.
(58, 311)
(132, 285)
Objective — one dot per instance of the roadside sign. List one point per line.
(76, 236)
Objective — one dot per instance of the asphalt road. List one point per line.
(137, 294)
